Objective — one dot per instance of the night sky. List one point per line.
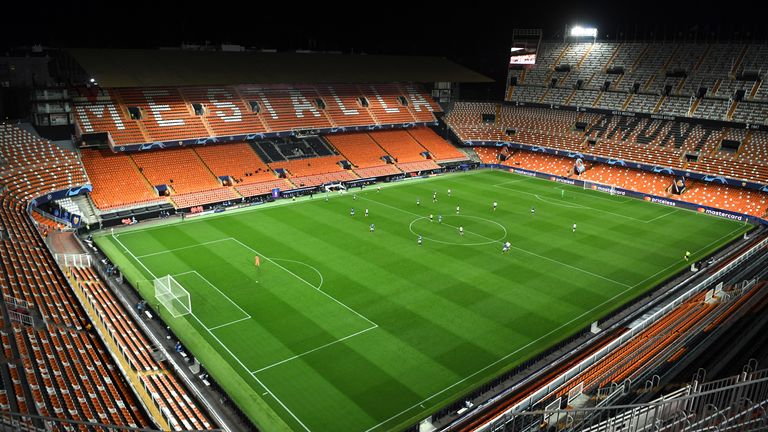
(478, 37)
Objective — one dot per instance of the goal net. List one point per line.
(173, 296)
(333, 187)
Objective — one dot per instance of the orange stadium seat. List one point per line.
(343, 105)
(632, 179)
(181, 169)
(165, 114)
(420, 103)
(224, 110)
(400, 144)
(386, 103)
(64, 368)
(175, 114)
(359, 149)
(236, 160)
(746, 201)
(315, 171)
(117, 182)
(557, 165)
(105, 113)
(440, 149)
(284, 108)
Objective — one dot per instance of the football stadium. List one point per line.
(221, 237)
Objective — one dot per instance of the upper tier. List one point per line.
(170, 115)
(715, 81)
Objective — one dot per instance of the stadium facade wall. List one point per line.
(695, 120)
(633, 194)
(626, 164)
(265, 135)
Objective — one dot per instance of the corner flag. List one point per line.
(257, 261)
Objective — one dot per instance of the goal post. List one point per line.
(173, 296)
(334, 187)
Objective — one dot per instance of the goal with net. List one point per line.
(173, 296)
(333, 187)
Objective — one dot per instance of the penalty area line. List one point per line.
(229, 351)
(313, 350)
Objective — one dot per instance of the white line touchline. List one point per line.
(229, 323)
(677, 262)
(313, 350)
(182, 248)
(575, 205)
(255, 208)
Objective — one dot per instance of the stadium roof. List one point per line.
(154, 68)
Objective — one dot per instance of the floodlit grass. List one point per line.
(343, 329)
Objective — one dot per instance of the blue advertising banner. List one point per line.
(628, 164)
(633, 194)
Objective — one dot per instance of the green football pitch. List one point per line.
(344, 329)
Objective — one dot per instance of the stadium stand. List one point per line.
(346, 109)
(180, 169)
(699, 80)
(718, 196)
(166, 114)
(651, 141)
(409, 155)
(365, 155)
(223, 110)
(558, 165)
(315, 171)
(237, 161)
(119, 182)
(102, 112)
(286, 107)
(45, 224)
(441, 150)
(164, 389)
(59, 367)
(29, 275)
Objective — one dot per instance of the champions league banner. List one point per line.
(645, 197)
(579, 167)
(678, 186)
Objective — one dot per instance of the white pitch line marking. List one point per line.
(181, 248)
(515, 247)
(229, 323)
(313, 350)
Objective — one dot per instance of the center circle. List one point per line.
(478, 231)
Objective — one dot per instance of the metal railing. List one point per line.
(733, 404)
(634, 330)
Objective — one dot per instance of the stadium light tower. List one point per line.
(579, 32)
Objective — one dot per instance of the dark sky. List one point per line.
(477, 36)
